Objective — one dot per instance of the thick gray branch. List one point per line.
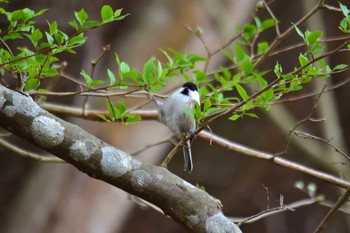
(191, 207)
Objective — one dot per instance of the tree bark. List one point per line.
(191, 207)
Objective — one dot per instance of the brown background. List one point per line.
(38, 197)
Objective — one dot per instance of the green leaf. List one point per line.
(61, 37)
(92, 23)
(170, 60)
(240, 53)
(77, 40)
(149, 71)
(344, 9)
(131, 74)
(344, 25)
(268, 23)
(133, 119)
(235, 117)
(121, 17)
(241, 91)
(249, 31)
(316, 48)
(268, 94)
(36, 36)
(312, 37)
(53, 28)
(262, 47)
(117, 60)
(87, 78)
(49, 72)
(160, 70)
(229, 55)
(112, 79)
(124, 67)
(117, 13)
(257, 23)
(121, 107)
(103, 117)
(31, 84)
(40, 12)
(300, 33)
(247, 67)
(198, 114)
(49, 39)
(252, 115)
(112, 110)
(194, 58)
(106, 13)
(303, 60)
(81, 16)
(207, 105)
(200, 76)
(74, 24)
(278, 70)
(12, 36)
(340, 67)
(96, 82)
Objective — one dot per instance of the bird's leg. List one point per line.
(193, 135)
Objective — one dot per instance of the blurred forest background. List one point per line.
(43, 197)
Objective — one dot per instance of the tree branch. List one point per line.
(216, 140)
(231, 146)
(190, 206)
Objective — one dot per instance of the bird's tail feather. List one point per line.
(188, 157)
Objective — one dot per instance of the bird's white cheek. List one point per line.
(195, 96)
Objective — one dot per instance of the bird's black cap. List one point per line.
(190, 86)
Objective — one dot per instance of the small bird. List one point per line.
(172, 114)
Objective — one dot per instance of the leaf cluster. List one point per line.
(36, 60)
(238, 89)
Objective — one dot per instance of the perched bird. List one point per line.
(172, 114)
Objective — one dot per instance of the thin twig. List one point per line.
(91, 114)
(280, 161)
(313, 137)
(267, 195)
(29, 155)
(66, 76)
(273, 17)
(308, 116)
(344, 198)
(136, 93)
(332, 8)
(273, 211)
(198, 33)
(94, 63)
(282, 36)
(172, 153)
(312, 94)
(230, 41)
(151, 145)
(145, 204)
